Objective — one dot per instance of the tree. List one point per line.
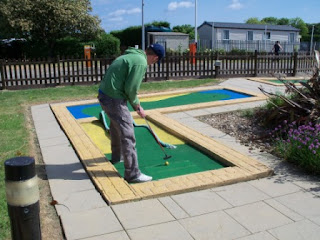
(159, 24)
(294, 22)
(300, 24)
(186, 28)
(253, 20)
(283, 21)
(107, 45)
(270, 20)
(316, 33)
(131, 36)
(43, 21)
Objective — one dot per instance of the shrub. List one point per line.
(107, 46)
(69, 46)
(299, 144)
(236, 51)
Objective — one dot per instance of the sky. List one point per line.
(120, 14)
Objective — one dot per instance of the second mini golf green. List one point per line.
(185, 158)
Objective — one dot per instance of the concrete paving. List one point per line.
(285, 206)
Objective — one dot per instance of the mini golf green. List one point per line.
(287, 80)
(93, 110)
(185, 159)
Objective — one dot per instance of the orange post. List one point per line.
(87, 55)
(193, 50)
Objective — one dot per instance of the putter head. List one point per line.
(167, 157)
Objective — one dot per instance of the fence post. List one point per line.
(217, 66)
(22, 198)
(295, 63)
(2, 69)
(58, 68)
(167, 66)
(255, 63)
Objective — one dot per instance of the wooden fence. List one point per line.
(18, 74)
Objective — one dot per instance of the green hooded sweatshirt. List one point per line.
(124, 76)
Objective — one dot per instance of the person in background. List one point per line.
(276, 48)
(119, 86)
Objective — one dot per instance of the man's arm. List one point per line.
(140, 111)
(132, 84)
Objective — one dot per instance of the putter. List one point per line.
(154, 135)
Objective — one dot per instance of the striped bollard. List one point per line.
(22, 198)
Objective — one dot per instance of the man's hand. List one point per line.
(140, 111)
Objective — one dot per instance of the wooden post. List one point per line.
(295, 63)
(217, 66)
(167, 66)
(2, 69)
(57, 65)
(22, 198)
(255, 63)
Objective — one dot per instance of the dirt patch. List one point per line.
(243, 127)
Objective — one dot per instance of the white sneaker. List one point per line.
(142, 178)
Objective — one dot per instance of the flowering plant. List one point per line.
(299, 144)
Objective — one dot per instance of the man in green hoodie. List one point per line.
(120, 85)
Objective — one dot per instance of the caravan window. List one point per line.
(250, 36)
(225, 34)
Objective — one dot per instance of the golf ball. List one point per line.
(166, 163)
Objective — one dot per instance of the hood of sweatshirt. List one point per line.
(132, 50)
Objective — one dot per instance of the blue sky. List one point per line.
(120, 14)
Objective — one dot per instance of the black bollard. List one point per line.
(23, 198)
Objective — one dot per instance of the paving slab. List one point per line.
(309, 184)
(194, 123)
(59, 154)
(91, 223)
(40, 106)
(176, 211)
(48, 129)
(142, 213)
(240, 194)
(284, 210)
(214, 226)
(61, 188)
(54, 141)
(43, 114)
(200, 202)
(242, 83)
(274, 188)
(214, 110)
(198, 112)
(122, 235)
(304, 203)
(164, 231)
(302, 230)
(212, 132)
(178, 115)
(258, 217)
(258, 236)
(71, 171)
(80, 201)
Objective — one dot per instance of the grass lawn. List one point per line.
(16, 128)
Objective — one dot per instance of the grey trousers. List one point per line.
(123, 141)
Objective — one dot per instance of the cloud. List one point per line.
(175, 5)
(235, 5)
(122, 12)
(115, 19)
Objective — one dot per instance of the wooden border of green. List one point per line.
(116, 190)
(266, 80)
